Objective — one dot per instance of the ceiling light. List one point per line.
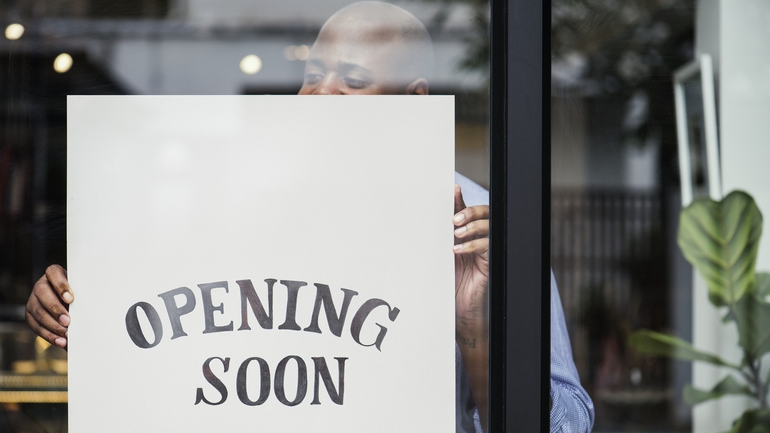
(62, 63)
(14, 31)
(251, 64)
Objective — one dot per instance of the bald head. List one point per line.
(376, 24)
(370, 47)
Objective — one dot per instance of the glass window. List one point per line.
(170, 47)
(627, 158)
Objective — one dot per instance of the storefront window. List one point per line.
(626, 158)
(176, 47)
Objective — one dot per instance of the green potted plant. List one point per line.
(721, 239)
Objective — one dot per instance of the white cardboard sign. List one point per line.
(261, 263)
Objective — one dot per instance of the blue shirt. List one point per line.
(572, 410)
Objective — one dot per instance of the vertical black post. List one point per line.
(520, 207)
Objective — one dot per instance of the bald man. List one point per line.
(370, 48)
(375, 48)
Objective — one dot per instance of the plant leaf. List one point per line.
(661, 344)
(727, 386)
(753, 421)
(763, 285)
(752, 315)
(721, 240)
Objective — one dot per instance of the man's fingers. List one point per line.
(45, 326)
(468, 214)
(57, 278)
(51, 315)
(474, 229)
(45, 298)
(43, 332)
(476, 246)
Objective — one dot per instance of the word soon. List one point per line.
(336, 392)
(250, 301)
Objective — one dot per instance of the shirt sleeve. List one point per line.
(572, 410)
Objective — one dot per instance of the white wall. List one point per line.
(737, 34)
(745, 105)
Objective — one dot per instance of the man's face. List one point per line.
(350, 58)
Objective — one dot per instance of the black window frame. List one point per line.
(519, 371)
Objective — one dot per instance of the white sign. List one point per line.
(261, 263)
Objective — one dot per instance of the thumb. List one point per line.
(459, 202)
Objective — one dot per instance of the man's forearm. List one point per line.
(474, 349)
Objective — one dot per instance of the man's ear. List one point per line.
(417, 87)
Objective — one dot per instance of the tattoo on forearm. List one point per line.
(470, 342)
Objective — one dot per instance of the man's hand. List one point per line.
(47, 308)
(471, 264)
(471, 297)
